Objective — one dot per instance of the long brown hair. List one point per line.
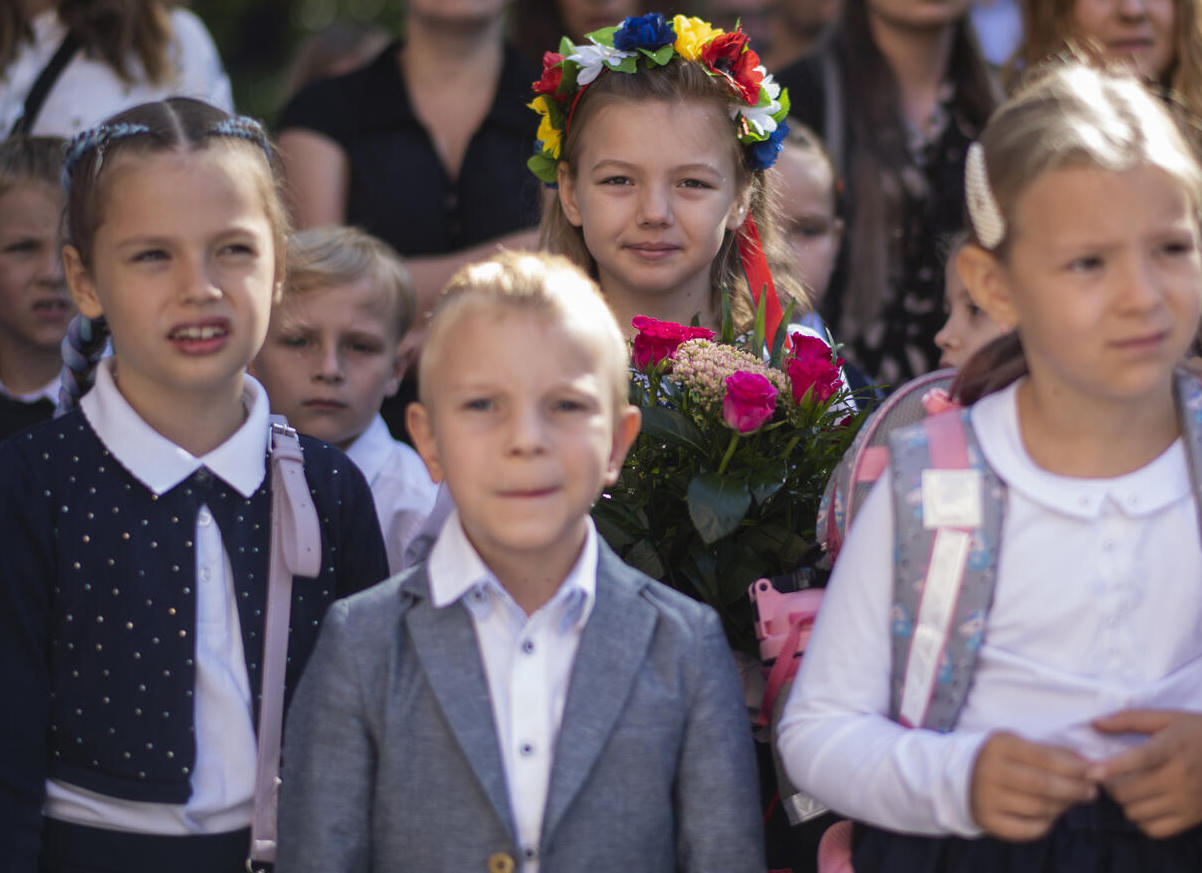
(880, 153)
(1048, 25)
(682, 81)
(117, 32)
(1068, 114)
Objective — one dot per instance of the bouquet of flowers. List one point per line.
(723, 483)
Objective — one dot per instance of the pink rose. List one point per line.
(750, 401)
(658, 339)
(810, 368)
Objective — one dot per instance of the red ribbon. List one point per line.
(759, 277)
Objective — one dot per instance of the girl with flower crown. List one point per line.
(657, 133)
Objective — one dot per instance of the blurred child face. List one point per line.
(330, 359)
(967, 328)
(807, 196)
(654, 192)
(1103, 281)
(1137, 30)
(183, 268)
(585, 16)
(522, 427)
(35, 307)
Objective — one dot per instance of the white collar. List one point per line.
(160, 464)
(49, 391)
(1141, 492)
(455, 570)
(372, 449)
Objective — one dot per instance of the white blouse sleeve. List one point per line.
(835, 737)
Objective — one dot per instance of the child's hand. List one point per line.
(1019, 788)
(1158, 783)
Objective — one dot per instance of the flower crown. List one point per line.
(759, 108)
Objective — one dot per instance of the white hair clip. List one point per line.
(983, 210)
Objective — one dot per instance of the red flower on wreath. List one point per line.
(727, 55)
(552, 75)
(657, 339)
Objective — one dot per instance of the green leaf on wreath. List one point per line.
(717, 505)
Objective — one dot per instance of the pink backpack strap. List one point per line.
(295, 551)
(948, 512)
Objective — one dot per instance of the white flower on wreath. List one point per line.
(759, 118)
(592, 56)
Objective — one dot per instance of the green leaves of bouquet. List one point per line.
(723, 484)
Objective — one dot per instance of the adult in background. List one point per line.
(91, 60)
(425, 147)
(535, 26)
(898, 91)
(1162, 38)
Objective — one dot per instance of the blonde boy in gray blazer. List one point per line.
(419, 739)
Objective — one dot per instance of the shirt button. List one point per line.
(530, 853)
(528, 647)
(478, 595)
(526, 750)
(205, 575)
(204, 518)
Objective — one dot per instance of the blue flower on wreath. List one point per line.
(762, 155)
(649, 32)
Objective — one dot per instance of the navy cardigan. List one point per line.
(98, 608)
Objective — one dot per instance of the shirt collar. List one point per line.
(1142, 492)
(457, 572)
(371, 449)
(49, 391)
(158, 463)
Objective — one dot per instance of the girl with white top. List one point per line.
(1080, 740)
(137, 526)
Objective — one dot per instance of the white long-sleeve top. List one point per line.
(1098, 608)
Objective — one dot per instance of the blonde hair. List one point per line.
(537, 283)
(324, 257)
(681, 81)
(1048, 25)
(1069, 115)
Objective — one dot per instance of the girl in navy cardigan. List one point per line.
(136, 526)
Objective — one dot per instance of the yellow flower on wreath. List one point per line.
(691, 35)
(548, 133)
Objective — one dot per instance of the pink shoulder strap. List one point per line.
(295, 551)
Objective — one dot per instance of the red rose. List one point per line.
(810, 368)
(728, 56)
(548, 83)
(658, 339)
(750, 401)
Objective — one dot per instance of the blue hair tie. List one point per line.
(245, 127)
(95, 138)
(83, 347)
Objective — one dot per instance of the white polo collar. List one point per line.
(372, 449)
(1158, 484)
(160, 464)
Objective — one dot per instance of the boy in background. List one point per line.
(333, 353)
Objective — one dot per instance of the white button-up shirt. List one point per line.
(1097, 608)
(401, 487)
(224, 772)
(528, 661)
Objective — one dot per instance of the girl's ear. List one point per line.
(988, 284)
(567, 194)
(738, 210)
(83, 289)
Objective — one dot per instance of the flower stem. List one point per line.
(730, 453)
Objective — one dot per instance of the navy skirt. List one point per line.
(1092, 838)
(71, 848)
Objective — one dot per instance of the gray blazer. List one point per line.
(391, 760)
